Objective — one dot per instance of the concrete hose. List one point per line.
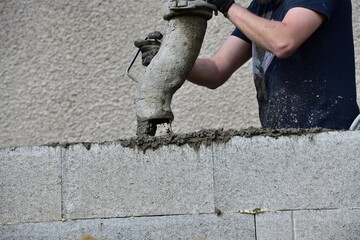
(167, 71)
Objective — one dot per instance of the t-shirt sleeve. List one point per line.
(325, 7)
(239, 34)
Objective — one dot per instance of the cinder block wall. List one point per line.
(62, 66)
(297, 186)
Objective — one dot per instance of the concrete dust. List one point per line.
(209, 136)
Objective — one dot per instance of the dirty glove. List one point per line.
(149, 47)
(222, 5)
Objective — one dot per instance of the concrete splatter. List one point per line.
(209, 136)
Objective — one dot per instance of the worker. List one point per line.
(303, 60)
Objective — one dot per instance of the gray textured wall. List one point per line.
(62, 72)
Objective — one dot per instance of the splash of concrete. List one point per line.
(209, 136)
(204, 137)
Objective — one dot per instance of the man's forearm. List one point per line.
(267, 34)
(215, 71)
(205, 73)
(279, 37)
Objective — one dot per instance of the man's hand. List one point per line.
(149, 47)
(222, 5)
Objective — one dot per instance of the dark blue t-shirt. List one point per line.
(315, 87)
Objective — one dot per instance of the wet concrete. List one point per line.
(210, 136)
(194, 139)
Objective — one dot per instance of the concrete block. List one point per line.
(197, 227)
(274, 226)
(308, 225)
(69, 230)
(335, 224)
(30, 184)
(294, 172)
(112, 181)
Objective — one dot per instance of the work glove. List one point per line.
(149, 46)
(222, 5)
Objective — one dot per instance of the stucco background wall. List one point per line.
(62, 69)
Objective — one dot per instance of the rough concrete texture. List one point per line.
(62, 72)
(275, 225)
(258, 187)
(197, 227)
(341, 224)
(311, 172)
(124, 182)
(335, 224)
(30, 184)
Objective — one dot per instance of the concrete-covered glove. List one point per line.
(222, 5)
(149, 46)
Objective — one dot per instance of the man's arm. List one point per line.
(213, 72)
(281, 38)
